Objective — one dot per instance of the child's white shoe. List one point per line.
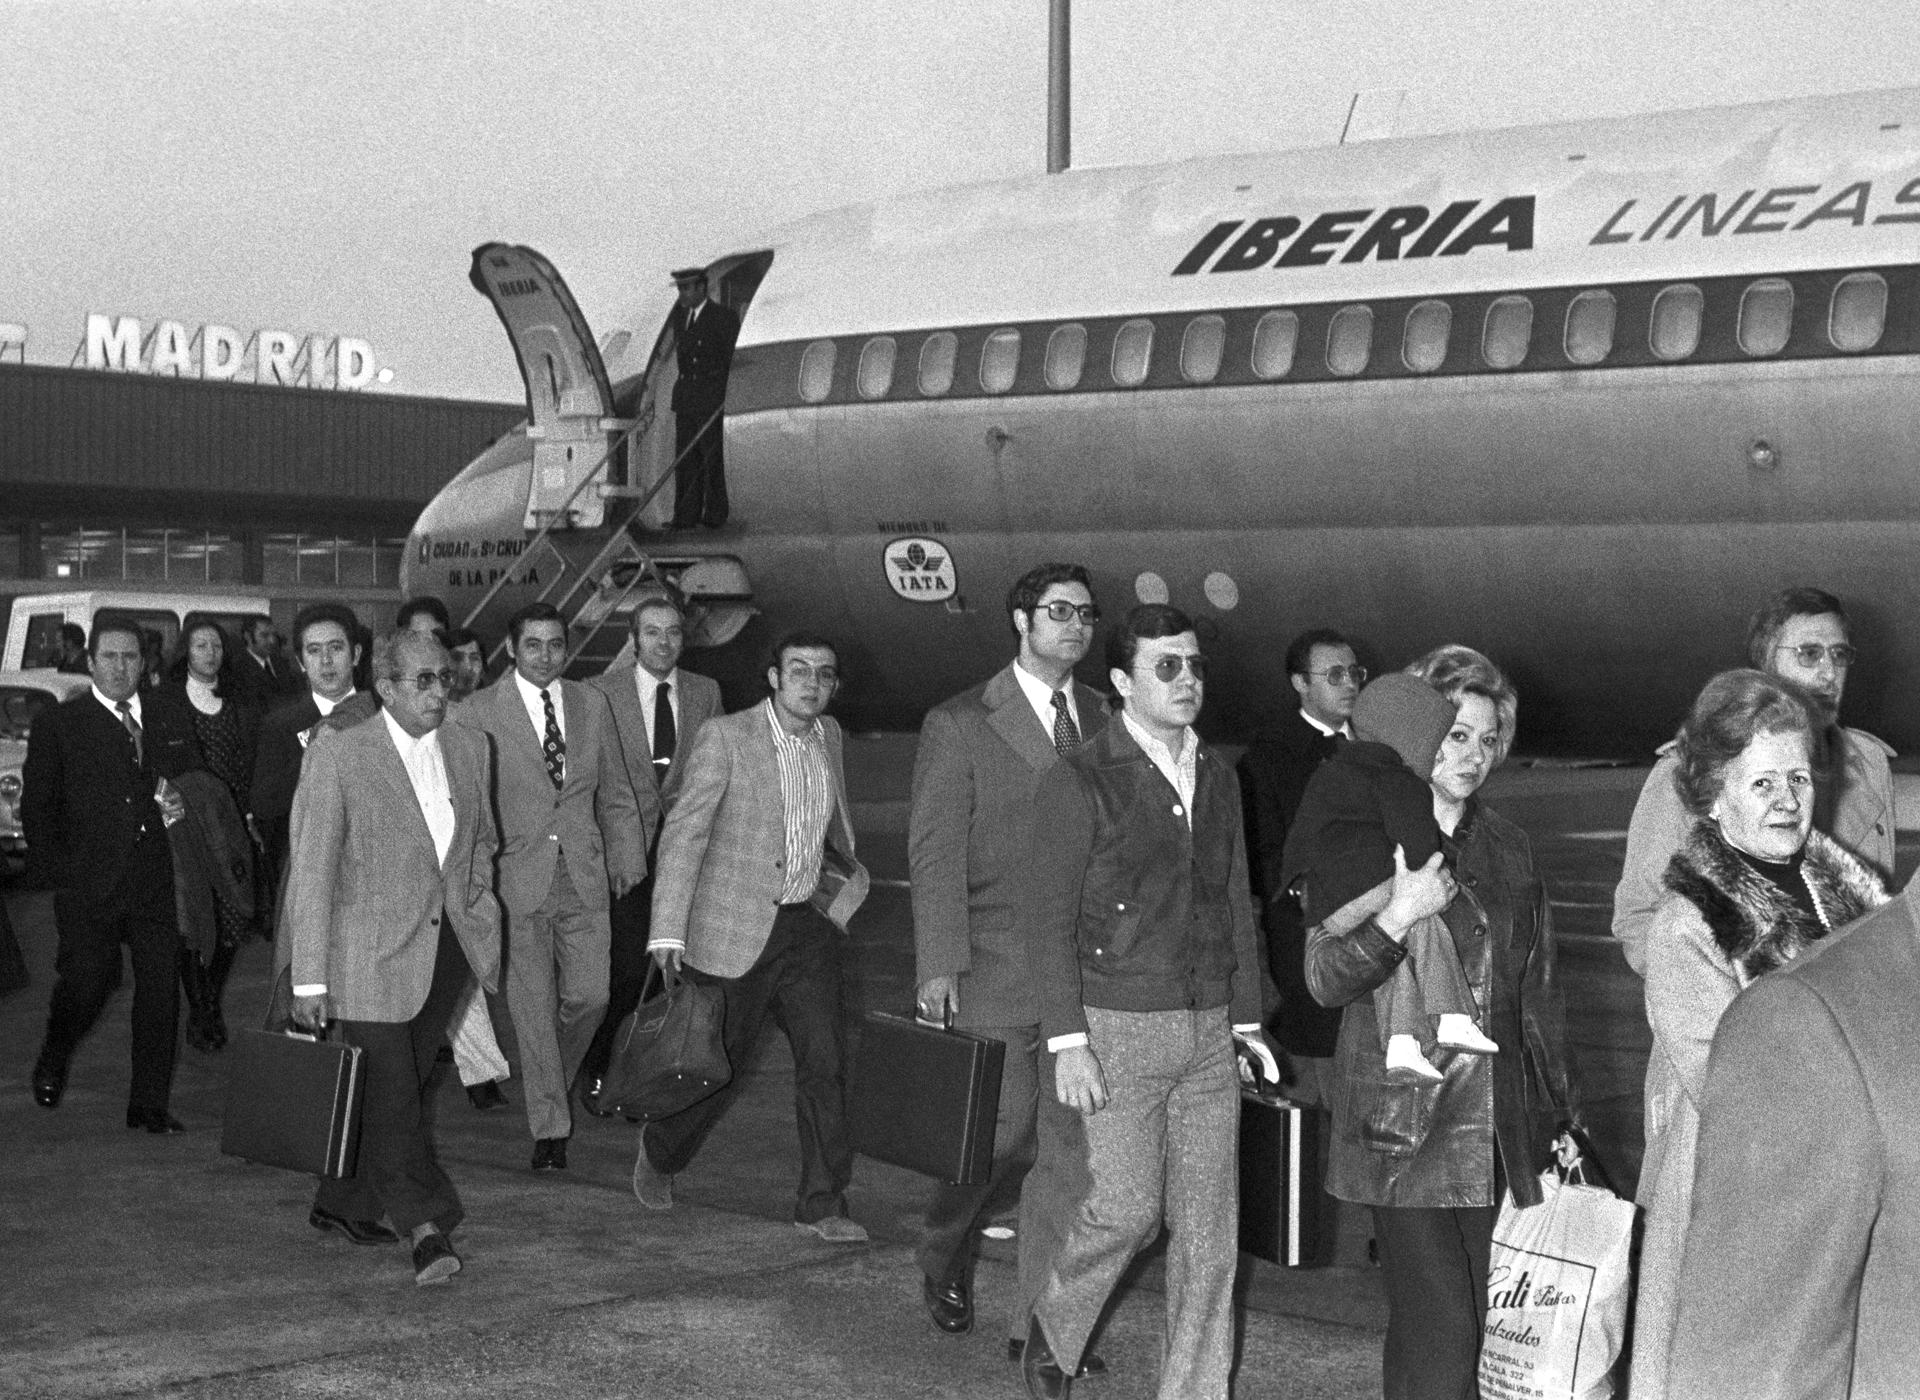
(1403, 1052)
(1458, 1032)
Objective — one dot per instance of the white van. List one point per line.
(33, 625)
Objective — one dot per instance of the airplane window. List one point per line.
(1350, 339)
(1589, 338)
(1676, 322)
(1273, 341)
(1858, 316)
(816, 371)
(876, 367)
(999, 361)
(1508, 328)
(1423, 345)
(1066, 355)
(1132, 353)
(1200, 348)
(936, 363)
(1766, 316)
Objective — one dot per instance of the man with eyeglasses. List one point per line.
(981, 757)
(755, 884)
(1149, 974)
(1800, 636)
(569, 844)
(390, 909)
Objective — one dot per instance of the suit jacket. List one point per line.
(723, 849)
(699, 702)
(1802, 1269)
(365, 894)
(87, 805)
(981, 757)
(263, 687)
(594, 818)
(703, 353)
(1273, 778)
(284, 734)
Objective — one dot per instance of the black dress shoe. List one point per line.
(949, 1304)
(434, 1260)
(549, 1154)
(1091, 1363)
(49, 1083)
(590, 1098)
(154, 1120)
(1042, 1374)
(486, 1096)
(359, 1231)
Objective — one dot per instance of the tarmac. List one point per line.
(136, 1265)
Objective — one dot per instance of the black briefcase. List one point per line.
(1285, 1213)
(925, 1098)
(294, 1102)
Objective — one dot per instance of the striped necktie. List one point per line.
(132, 727)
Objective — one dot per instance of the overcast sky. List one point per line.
(328, 168)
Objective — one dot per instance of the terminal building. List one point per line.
(113, 478)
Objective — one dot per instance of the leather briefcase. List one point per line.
(925, 1098)
(1285, 1212)
(668, 1054)
(294, 1102)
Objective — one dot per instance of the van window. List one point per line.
(1423, 346)
(1000, 361)
(1675, 333)
(18, 706)
(1132, 353)
(1350, 340)
(43, 640)
(1200, 348)
(875, 376)
(1508, 328)
(936, 363)
(1766, 316)
(1589, 338)
(1066, 356)
(1858, 317)
(816, 371)
(1274, 339)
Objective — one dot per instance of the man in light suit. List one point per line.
(657, 710)
(980, 761)
(569, 833)
(756, 882)
(390, 908)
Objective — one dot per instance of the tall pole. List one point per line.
(1059, 89)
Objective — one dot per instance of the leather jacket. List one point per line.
(1401, 1141)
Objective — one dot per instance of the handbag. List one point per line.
(1557, 1293)
(925, 1097)
(667, 1053)
(294, 1101)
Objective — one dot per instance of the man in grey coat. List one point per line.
(980, 761)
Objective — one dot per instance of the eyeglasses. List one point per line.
(801, 671)
(1167, 668)
(1810, 654)
(1339, 675)
(1060, 610)
(426, 680)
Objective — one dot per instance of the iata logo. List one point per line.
(920, 570)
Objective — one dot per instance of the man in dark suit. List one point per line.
(96, 805)
(980, 761)
(1802, 1272)
(704, 332)
(657, 711)
(262, 677)
(390, 909)
(1326, 677)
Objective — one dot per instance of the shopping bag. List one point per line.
(667, 1053)
(1557, 1293)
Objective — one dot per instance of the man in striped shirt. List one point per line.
(754, 885)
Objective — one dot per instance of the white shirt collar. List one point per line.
(648, 682)
(1040, 696)
(780, 735)
(1345, 731)
(326, 706)
(409, 744)
(1157, 751)
(113, 706)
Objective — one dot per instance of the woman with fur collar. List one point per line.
(1753, 887)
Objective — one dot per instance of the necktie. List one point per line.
(1066, 735)
(132, 727)
(664, 736)
(553, 746)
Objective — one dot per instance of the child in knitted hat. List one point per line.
(1370, 797)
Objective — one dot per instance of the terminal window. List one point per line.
(159, 554)
(332, 560)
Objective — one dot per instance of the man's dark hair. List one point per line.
(1027, 590)
(1300, 649)
(106, 622)
(427, 604)
(796, 641)
(252, 623)
(72, 633)
(1143, 624)
(458, 637)
(339, 614)
(1763, 629)
(534, 612)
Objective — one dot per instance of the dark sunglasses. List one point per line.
(1167, 668)
(1060, 610)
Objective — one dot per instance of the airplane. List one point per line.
(1580, 395)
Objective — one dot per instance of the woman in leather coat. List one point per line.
(1432, 1158)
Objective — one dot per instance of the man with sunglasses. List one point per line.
(981, 757)
(390, 909)
(1145, 952)
(1799, 636)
